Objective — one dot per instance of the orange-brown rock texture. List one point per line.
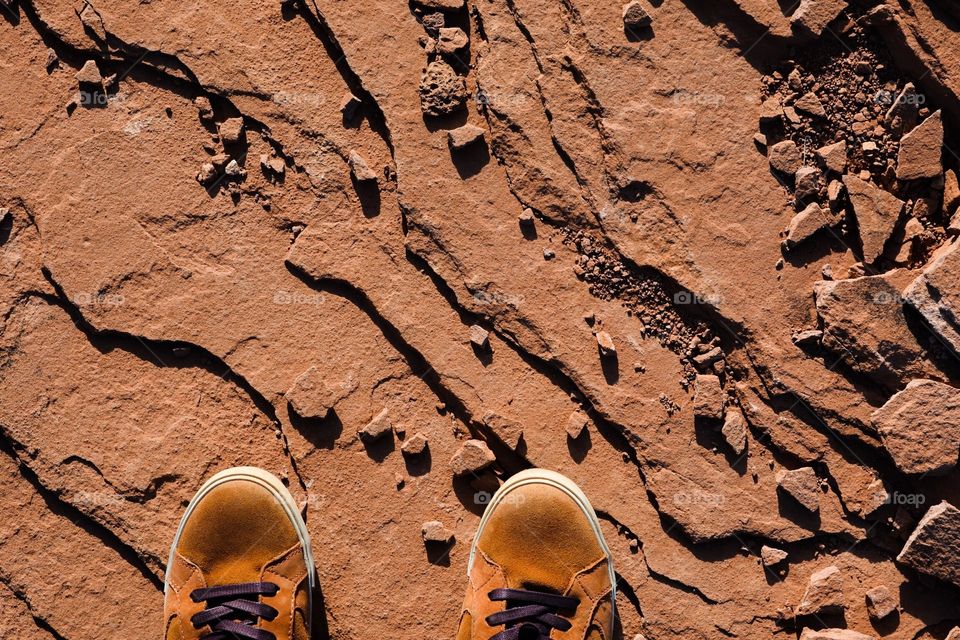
(396, 252)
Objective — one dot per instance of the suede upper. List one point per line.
(538, 538)
(237, 533)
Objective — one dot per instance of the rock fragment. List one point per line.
(472, 457)
(807, 183)
(921, 150)
(52, 60)
(441, 5)
(204, 108)
(834, 157)
(442, 91)
(379, 426)
(935, 295)
(526, 218)
(434, 532)
(833, 634)
(451, 40)
(954, 634)
(770, 112)
(359, 168)
(350, 106)
(785, 157)
(813, 16)
(433, 22)
(273, 165)
(415, 445)
(464, 136)
(920, 427)
(605, 343)
(635, 16)
(89, 74)
(707, 397)
(877, 214)
(803, 486)
(507, 431)
(735, 431)
(771, 556)
(881, 602)
(951, 192)
(824, 593)
(311, 397)
(934, 546)
(903, 114)
(231, 130)
(808, 338)
(207, 173)
(577, 424)
(480, 337)
(810, 104)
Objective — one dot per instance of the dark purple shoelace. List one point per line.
(530, 614)
(233, 609)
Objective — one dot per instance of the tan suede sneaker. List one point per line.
(539, 567)
(240, 565)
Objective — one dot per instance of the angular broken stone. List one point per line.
(834, 157)
(877, 213)
(233, 169)
(770, 111)
(813, 16)
(464, 136)
(434, 532)
(881, 602)
(379, 426)
(89, 74)
(207, 173)
(472, 456)
(920, 427)
(605, 342)
(231, 130)
(951, 192)
(735, 431)
(810, 104)
(480, 337)
(707, 397)
(785, 157)
(507, 431)
(359, 168)
(577, 424)
(770, 556)
(934, 546)
(311, 397)
(808, 338)
(935, 295)
(803, 486)
(807, 183)
(864, 324)
(635, 16)
(526, 217)
(273, 164)
(921, 150)
(441, 5)
(52, 59)
(903, 114)
(451, 40)
(824, 593)
(433, 22)
(833, 634)
(442, 91)
(414, 445)
(349, 106)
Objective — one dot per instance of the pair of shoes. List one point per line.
(241, 565)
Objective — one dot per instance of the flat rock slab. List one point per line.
(934, 546)
(707, 397)
(921, 150)
(834, 634)
(813, 16)
(877, 214)
(803, 486)
(920, 427)
(935, 295)
(824, 593)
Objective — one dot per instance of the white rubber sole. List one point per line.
(272, 484)
(567, 486)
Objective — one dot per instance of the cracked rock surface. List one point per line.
(359, 270)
